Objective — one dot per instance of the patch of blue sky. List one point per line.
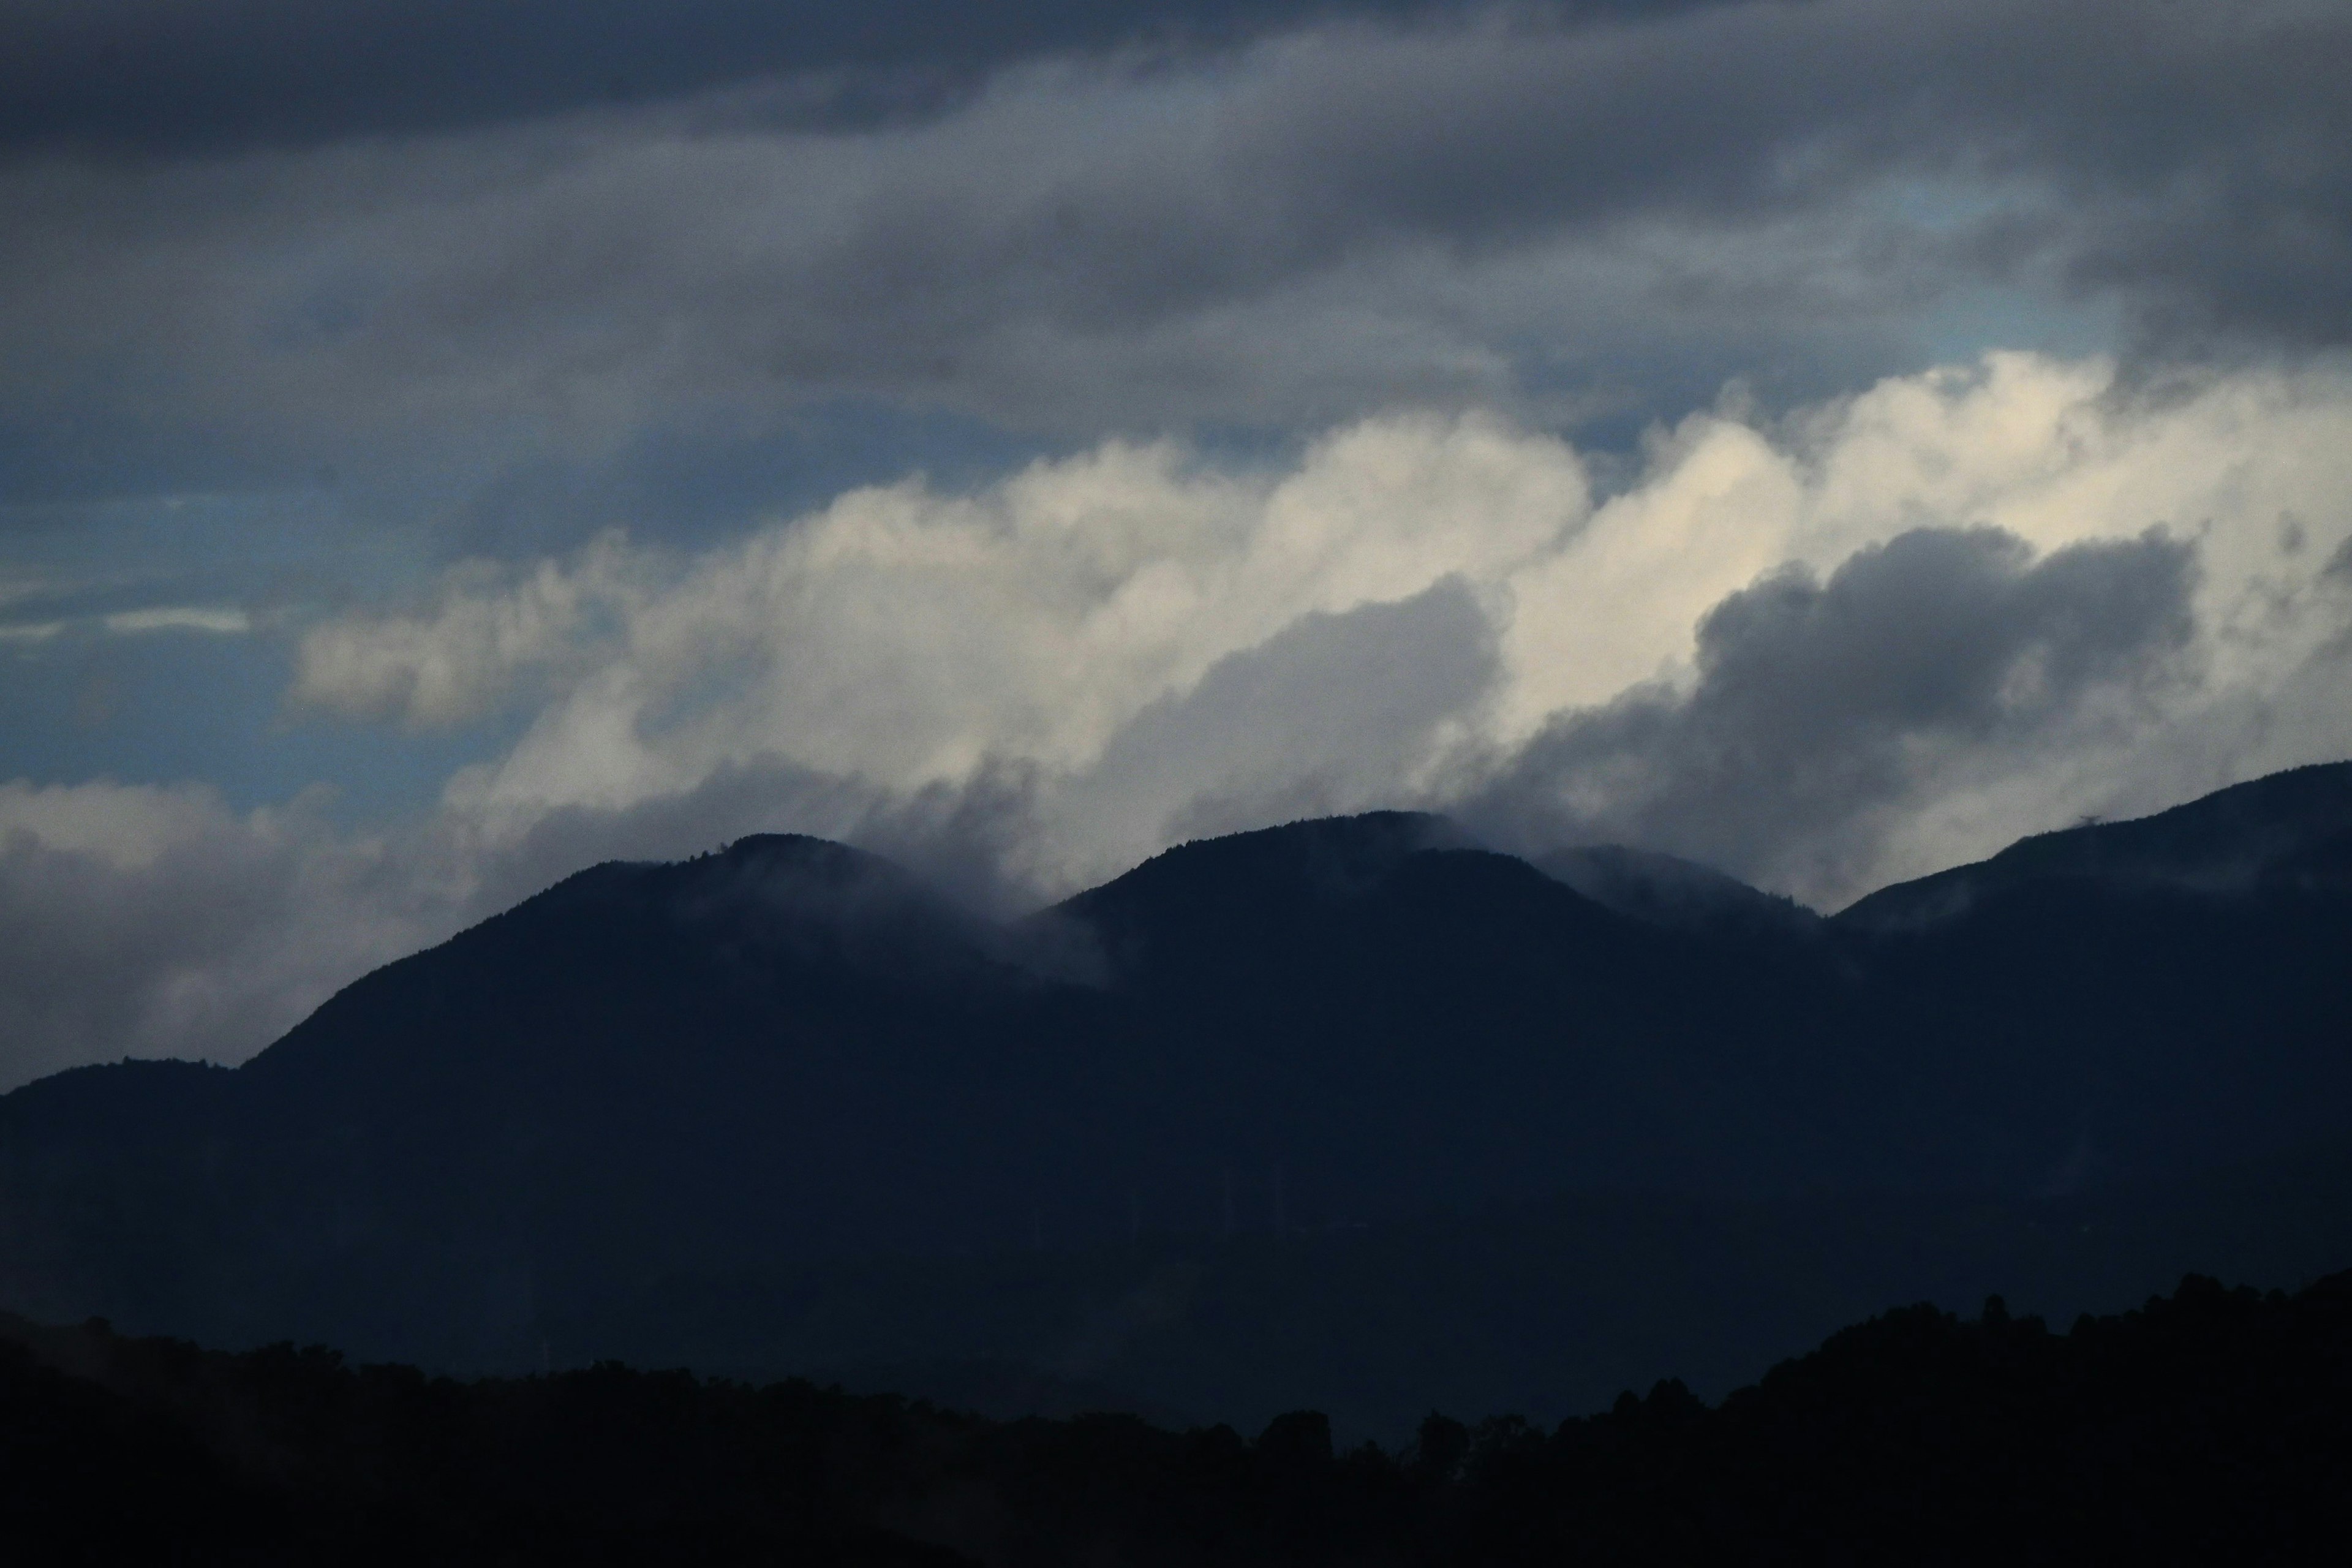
(1997, 288)
(686, 483)
(1966, 322)
(257, 550)
(165, 704)
(151, 638)
(151, 641)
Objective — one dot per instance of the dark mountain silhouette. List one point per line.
(1547, 1307)
(2289, 831)
(785, 1085)
(1399, 1020)
(2132, 999)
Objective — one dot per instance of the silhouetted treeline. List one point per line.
(2213, 1426)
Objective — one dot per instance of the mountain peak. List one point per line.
(1668, 890)
(1337, 854)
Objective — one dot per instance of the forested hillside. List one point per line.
(2211, 1425)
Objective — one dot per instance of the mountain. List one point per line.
(780, 1106)
(2148, 996)
(788, 1051)
(2292, 831)
(1668, 890)
(1546, 1307)
(1401, 1019)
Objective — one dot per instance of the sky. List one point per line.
(445, 446)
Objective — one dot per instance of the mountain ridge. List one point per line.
(2302, 813)
(790, 1054)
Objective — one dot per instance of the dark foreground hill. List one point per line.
(2214, 1426)
(780, 1107)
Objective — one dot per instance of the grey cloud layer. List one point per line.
(1326, 717)
(1505, 210)
(1822, 707)
(205, 940)
(166, 76)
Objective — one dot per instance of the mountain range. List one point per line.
(1352, 1112)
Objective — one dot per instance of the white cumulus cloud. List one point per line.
(2137, 596)
(911, 638)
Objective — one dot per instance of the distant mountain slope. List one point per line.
(790, 1051)
(2153, 995)
(1546, 1308)
(791, 1056)
(1431, 1022)
(2291, 829)
(786, 1049)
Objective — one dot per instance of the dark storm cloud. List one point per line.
(2191, 160)
(224, 935)
(2207, 152)
(1322, 718)
(1350, 208)
(1822, 706)
(166, 75)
